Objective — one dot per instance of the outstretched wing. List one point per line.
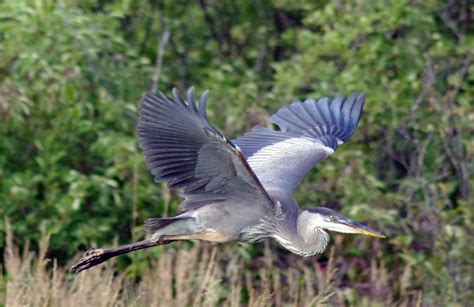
(310, 131)
(182, 148)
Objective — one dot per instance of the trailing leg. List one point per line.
(95, 256)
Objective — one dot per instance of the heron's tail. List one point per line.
(169, 226)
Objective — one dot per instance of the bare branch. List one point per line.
(462, 75)
(159, 58)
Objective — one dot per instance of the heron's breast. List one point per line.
(214, 236)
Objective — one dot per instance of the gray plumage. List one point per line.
(241, 190)
(310, 131)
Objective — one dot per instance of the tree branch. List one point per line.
(159, 59)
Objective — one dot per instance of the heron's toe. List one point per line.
(93, 252)
(163, 240)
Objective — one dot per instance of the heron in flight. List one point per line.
(240, 190)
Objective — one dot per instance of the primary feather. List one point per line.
(309, 132)
(182, 148)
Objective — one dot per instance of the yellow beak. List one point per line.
(364, 230)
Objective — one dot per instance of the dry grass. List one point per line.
(192, 277)
(189, 277)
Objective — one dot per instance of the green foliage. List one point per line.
(72, 73)
(68, 151)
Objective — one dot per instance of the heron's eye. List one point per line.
(332, 217)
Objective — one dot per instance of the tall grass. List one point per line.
(190, 277)
(194, 276)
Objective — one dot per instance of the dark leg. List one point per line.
(95, 256)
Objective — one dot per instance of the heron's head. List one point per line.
(328, 219)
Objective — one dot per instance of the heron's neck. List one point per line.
(302, 237)
(312, 240)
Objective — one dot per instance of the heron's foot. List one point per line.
(91, 257)
(93, 252)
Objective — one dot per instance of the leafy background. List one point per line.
(72, 73)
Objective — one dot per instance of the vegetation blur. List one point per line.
(72, 175)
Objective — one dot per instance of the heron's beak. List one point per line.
(349, 226)
(364, 230)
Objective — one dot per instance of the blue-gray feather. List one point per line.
(316, 119)
(182, 148)
(309, 132)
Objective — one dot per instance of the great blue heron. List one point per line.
(240, 190)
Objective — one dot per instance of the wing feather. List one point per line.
(182, 148)
(309, 132)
